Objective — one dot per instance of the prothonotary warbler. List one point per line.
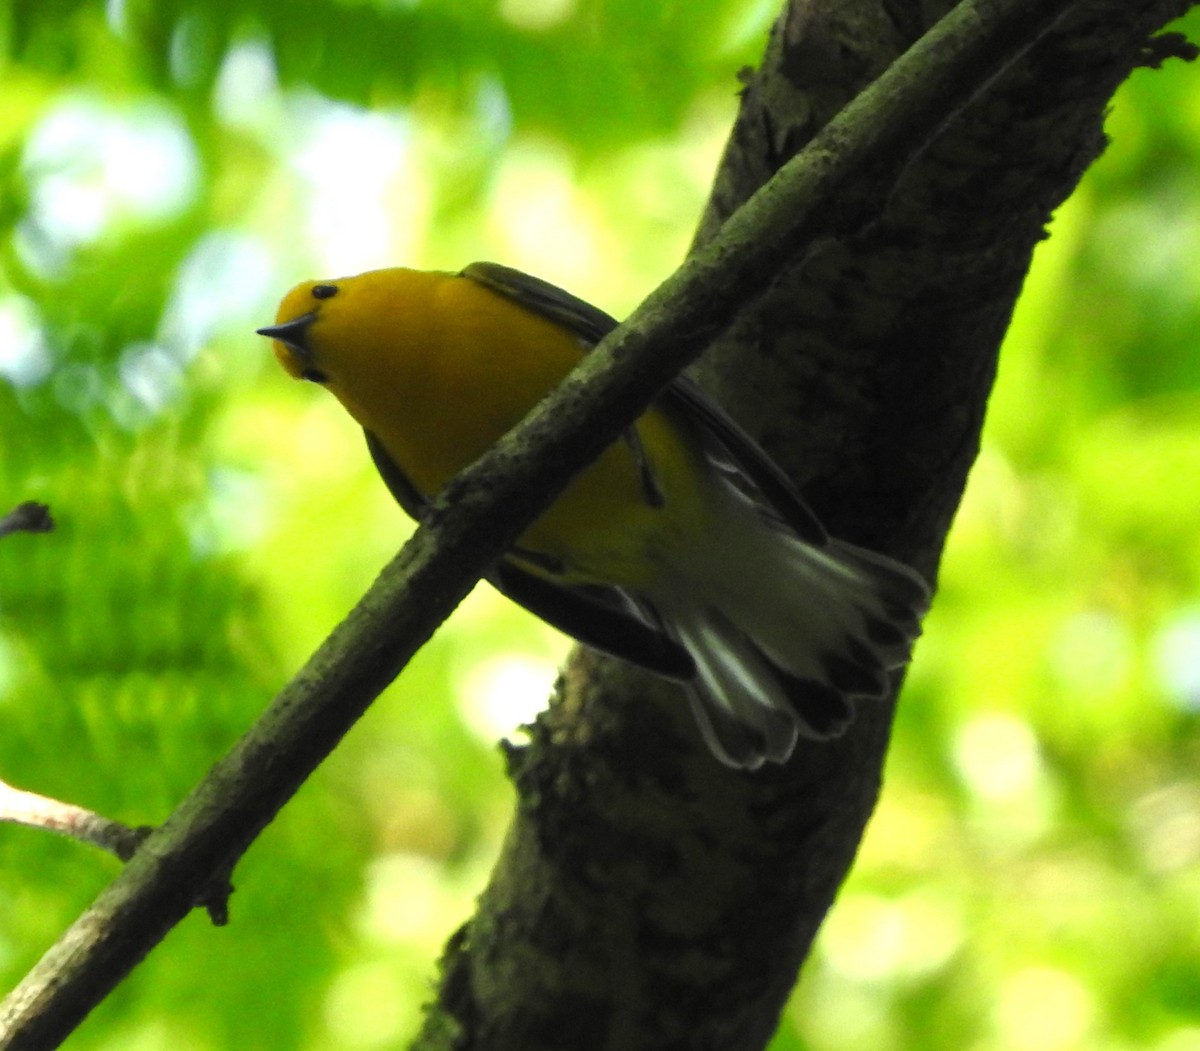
(683, 549)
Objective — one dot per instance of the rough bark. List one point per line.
(646, 897)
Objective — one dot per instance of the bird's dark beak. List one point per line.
(292, 349)
(294, 333)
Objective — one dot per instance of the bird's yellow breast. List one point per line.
(438, 367)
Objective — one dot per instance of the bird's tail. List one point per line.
(790, 638)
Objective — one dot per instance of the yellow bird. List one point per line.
(684, 549)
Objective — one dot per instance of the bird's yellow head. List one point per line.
(292, 334)
(327, 331)
(381, 342)
(436, 365)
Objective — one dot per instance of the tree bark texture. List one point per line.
(647, 898)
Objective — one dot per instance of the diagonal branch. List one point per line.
(484, 509)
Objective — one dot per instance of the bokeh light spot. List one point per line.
(543, 223)
(90, 163)
(365, 203)
(1166, 826)
(24, 359)
(536, 14)
(872, 938)
(997, 756)
(1185, 1039)
(246, 94)
(505, 692)
(1093, 651)
(362, 1010)
(1177, 658)
(1043, 1009)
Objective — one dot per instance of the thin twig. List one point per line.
(29, 517)
(19, 807)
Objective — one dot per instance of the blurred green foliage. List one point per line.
(167, 169)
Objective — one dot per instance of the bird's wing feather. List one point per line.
(407, 495)
(716, 425)
(589, 323)
(683, 396)
(604, 618)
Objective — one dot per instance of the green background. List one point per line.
(1031, 880)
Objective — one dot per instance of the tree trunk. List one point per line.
(646, 897)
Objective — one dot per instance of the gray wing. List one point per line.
(607, 619)
(682, 397)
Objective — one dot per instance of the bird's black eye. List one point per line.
(313, 376)
(324, 291)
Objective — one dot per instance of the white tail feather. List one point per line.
(785, 634)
